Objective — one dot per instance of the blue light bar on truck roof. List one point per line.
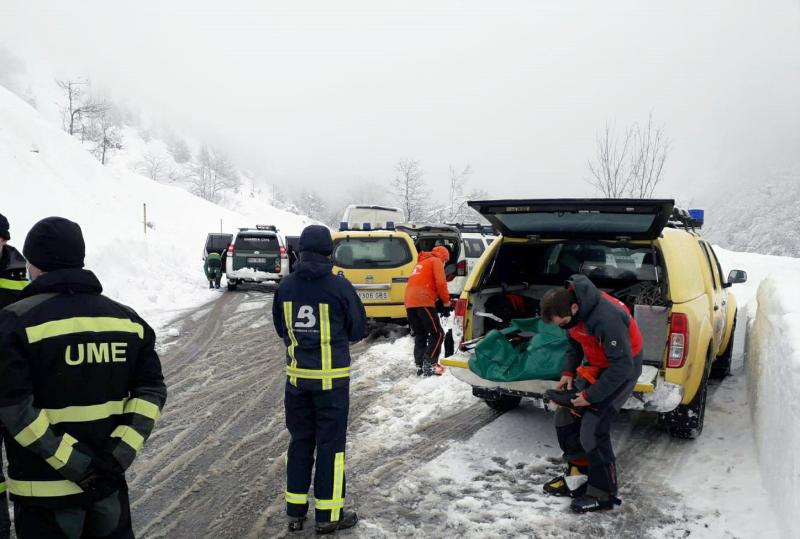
(697, 215)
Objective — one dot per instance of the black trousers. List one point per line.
(587, 437)
(5, 518)
(428, 334)
(317, 422)
(109, 518)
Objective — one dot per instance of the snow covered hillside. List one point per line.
(757, 217)
(46, 172)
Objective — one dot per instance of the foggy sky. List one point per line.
(331, 93)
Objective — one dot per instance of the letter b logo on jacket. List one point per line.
(305, 317)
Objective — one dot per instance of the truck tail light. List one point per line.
(231, 249)
(283, 252)
(678, 340)
(461, 268)
(459, 320)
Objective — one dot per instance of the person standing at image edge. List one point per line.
(317, 314)
(427, 288)
(80, 391)
(13, 279)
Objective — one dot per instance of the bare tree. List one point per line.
(610, 172)
(78, 106)
(650, 151)
(311, 204)
(213, 174)
(106, 134)
(179, 150)
(457, 198)
(154, 165)
(409, 188)
(631, 164)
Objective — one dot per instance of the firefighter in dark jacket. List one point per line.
(80, 390)
(13, 278)
(317, 314)
(601, 330)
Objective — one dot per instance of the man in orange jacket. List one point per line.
(426, 285)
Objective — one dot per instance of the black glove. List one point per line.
(103, 476)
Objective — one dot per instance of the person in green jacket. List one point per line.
(213, 269)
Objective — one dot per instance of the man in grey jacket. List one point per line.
(601, 366)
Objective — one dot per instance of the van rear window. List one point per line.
(371, 252)
(451, 243)
(257, 243)
(473, 248)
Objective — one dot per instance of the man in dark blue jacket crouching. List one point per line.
(317, 314)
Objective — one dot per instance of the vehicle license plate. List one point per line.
(256, 260)
(372, 295)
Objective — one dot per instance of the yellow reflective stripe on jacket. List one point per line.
(82, 324)
(11, 284)
(287, 320)
(142, 407)
(43, 489)
(338, 483)
(299, 499)
(94, 412)
(63, 452)
(315, 374)
(3, 487)
(325, 343)
(90, 412)
(34, 431)
(129, 436)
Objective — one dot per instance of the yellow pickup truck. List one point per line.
(646, 253)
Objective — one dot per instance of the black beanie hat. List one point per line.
(55, 243)
(316, 239)
(4, 228)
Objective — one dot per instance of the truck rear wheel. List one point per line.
(503, 403)
(232, 285)
(686, 421)
(722, 366)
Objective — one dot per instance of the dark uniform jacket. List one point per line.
(607, 335)
(80, 378)
(317, 314)
(13, 275)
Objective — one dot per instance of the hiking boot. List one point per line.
(427, 369)
(348, 519)
(562, 397)
(211, 285)
(571, 484)
(419, 370)
(296, 523)
(588, 504)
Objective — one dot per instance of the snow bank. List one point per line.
(158, 272)
(773, 370)
(769, 310)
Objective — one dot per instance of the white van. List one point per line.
(377, 217)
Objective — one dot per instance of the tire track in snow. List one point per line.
(214, 465)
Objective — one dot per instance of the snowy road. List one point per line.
(425, 458)
(214, 465)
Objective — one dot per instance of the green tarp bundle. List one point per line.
(541, 358)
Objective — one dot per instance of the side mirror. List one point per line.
(737, 277)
